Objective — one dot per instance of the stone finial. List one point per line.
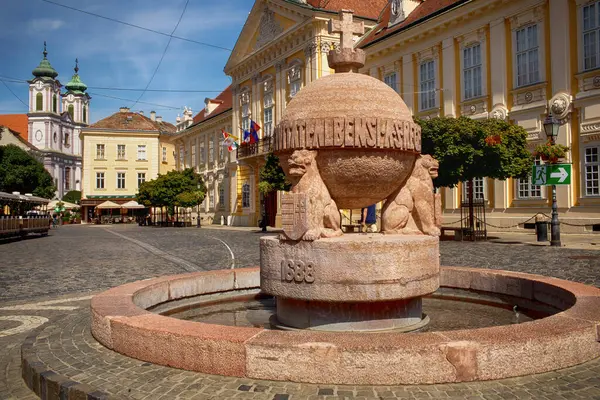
(346, 58)
(45, 52)
(76, 66)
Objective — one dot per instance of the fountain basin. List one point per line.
(121, 322)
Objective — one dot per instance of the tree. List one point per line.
(466, 149)
(176, 188)
(21, 172)
(72, 196)
(272, 178)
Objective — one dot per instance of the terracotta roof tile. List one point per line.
(427, 9)
(362, 8)
(17, 123)
(226, 103)
(132, 121)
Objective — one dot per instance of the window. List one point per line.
(84, 114)
(71, 111)
(221, 196)
(194, 155)
(164, 154)
(222, 152)
(528, 68)
(211, 150)
(120, 180)
(100, 151)
(99, 180)
(181, 157)
(472, 71)
(268, 108)
(294, 80)
(478, 189)
(591, 31)
(54, 103)
(120, 152)
(246, 195)
(211, 198)
(245, 103)
(202, 153)
(67, 140)
(528, 191)
(427, 79)
(592, 171)
(39, 102)
(141, 152)
(392, 81)
(141, 178)
(67, 178)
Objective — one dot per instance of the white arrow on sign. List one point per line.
(562, 175)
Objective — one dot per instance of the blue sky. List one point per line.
(115, 55)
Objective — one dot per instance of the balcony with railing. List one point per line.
(263, 146)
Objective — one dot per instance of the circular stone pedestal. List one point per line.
(353, 282)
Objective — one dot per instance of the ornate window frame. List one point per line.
(246, 195)
(533, 16)
(295, 77)
(268, 104)
(245, 99)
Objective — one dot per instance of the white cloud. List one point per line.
(45, 24)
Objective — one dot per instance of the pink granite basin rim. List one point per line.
(120, 322)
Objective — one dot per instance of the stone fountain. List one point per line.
(349, 141)
(346, 302)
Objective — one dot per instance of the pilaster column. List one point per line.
(280, 85)
(408, 78)
(449, 78)
(498, 58)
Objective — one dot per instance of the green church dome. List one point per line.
(75, 85)
(45, 69)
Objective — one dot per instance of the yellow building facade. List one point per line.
(512, 60)
(119, 153)
(283, 46)
(199, 145)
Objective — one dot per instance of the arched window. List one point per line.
(294, 79)
(246, 195)
(71, 110)
(54, 103)
(84, 114)
(39, 102)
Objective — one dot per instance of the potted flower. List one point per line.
(551, 152)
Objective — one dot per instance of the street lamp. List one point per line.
(551, 127)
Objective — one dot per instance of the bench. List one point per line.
(458, 231)
(350, 228)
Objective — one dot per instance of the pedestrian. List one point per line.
(368, 219)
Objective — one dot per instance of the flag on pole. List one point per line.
(229, 141)
(254, 128)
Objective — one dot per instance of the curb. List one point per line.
(49, 385)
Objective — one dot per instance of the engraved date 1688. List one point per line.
(297, 271)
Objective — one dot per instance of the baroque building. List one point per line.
(282, 47)
(198, 145)
(55, 120)
(119, 153)
(513, 60)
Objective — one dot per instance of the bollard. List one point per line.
(541, 229)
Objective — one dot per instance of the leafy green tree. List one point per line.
(467, 149)
(72, 196)
(174, 188)
(21, 172)
(272, 176)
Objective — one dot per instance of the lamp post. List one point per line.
(198, 209)
(551, 126)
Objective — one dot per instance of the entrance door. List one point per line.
(271, 207)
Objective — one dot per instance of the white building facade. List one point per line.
(55, 121)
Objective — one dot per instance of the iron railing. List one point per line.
(263, 146)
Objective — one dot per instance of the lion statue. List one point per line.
(322, 217)
(415, 208)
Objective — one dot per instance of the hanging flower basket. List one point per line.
(551, 153)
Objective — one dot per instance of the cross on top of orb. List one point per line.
(346, 28)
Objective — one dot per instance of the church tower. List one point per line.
(76, 101)
(44, 88)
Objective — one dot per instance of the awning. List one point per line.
(65, 204)
(108, 205)
(132, 204)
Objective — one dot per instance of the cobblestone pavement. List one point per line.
(52, 278)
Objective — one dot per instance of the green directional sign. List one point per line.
(551, 174)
